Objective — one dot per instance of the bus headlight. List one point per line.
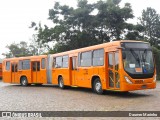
(128, 80)
(155, 78)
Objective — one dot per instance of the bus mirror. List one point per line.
(124, 55)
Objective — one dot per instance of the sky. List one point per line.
(16, 17)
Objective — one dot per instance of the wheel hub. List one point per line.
(98, 86)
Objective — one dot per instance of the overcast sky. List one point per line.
(17, 15)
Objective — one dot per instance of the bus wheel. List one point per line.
(97, 86)
(24, 81)
(61, 83)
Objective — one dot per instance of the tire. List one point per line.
(61, 83)
(97, 86)
(24, 81)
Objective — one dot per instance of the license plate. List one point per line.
(144, 87)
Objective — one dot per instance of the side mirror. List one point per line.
(124, 55)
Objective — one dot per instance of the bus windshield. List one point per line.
(138, 62)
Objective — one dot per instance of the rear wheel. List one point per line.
(24, 81)
(97, 86)
(61, 82)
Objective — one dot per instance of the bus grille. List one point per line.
(138, 81)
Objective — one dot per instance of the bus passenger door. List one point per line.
(113, 70)
(14, 74)
(74, 70)
(36, 72)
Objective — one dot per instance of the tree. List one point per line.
(16, 50)
(80, 27)
(23, 49)
(113, 18)
(150, 20)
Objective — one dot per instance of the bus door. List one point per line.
(14, 73)
(74, 70)
(36, 71)
(113, 70)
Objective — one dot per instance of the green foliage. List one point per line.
(150, 20)
(17, 50)
(90, 24)
(22, 49)
(80, 27)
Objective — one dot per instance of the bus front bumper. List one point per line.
(132, 87)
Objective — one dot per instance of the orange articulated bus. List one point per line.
(0, 70)
(116, 66)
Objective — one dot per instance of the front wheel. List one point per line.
(24, 81)
(97, 86)
(61, 83)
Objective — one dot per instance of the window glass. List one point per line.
(8, 65)
(65, 62)
(58, 62)
(13, 68)
(74, 66)
(111, 78)
(43, 63)
(34, 66)
(86, 58)
(110, 60)
(26, 64)
(38, 66)
(98, 57)
(117, 61)
(54, 62)
(20, 65)
(79, 59)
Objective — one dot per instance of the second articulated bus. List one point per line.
(117, 66)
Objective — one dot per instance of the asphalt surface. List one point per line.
(14, 97)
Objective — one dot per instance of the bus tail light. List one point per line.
(128, 80)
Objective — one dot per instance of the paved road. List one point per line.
(51, 98)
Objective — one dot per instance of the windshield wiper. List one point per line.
(135, 56)
(144, 55)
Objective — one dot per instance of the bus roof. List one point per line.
(27, 57)
(103, 45)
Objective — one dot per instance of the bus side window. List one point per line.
(20, 65)
(58, 62)
(98, 57)
(86, 59)
(43, 64)
(26, 64)
(54, 63)
(65, 61)
(8, 65)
